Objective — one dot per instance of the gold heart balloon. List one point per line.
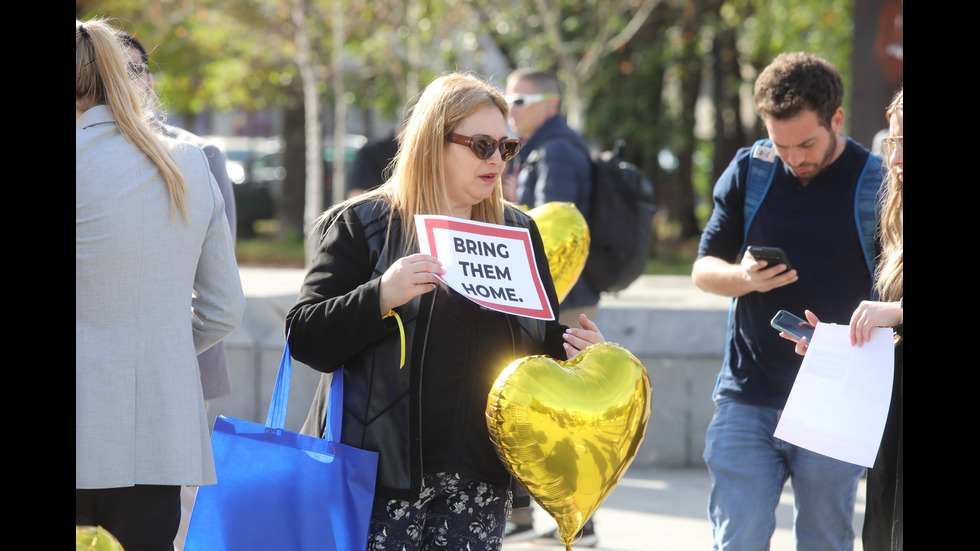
(568, 430)
(566, 242)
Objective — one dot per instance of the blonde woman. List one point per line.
(884, 514)
(156, 283)
(439, 481)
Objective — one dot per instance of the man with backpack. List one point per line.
(553, 165)
(809, 190)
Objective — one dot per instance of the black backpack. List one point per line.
(620, 222)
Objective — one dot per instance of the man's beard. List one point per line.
(818, 167)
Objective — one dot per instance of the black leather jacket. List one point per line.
(336, 322)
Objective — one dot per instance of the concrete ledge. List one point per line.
(678, 333)
(675, 330)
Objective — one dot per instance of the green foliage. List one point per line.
(228, 54)
(285, 251)
(218, 54)
(702, 181)
(769, 27)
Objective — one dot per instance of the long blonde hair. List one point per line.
(418, 184)
(101, 78)
(889, 281)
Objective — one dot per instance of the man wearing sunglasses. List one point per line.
(552, 165)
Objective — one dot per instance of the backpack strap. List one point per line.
(867, 207)
(762, 168)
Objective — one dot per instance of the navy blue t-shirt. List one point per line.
(815, 226)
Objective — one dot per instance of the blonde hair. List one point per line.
(889, 281)
(101, 79)
(418, 184)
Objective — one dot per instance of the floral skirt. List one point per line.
(451, 512)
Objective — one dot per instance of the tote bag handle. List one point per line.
(276, 419)
(283, 490)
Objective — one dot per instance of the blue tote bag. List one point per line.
(284, 491)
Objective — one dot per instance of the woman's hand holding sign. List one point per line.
(408, 278)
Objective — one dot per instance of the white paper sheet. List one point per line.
(839, 402)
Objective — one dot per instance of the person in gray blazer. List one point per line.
(213, 362)
(156, 283)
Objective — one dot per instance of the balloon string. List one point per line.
(401, 331)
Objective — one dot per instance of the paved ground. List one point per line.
(662, 509)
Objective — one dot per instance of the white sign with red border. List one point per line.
(492, 265)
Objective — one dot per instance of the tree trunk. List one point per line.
(340, 107)
(729, 126)
(690, 76)
(290, 200)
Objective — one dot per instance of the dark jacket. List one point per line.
(884, 517)
(336, 322)
(555, 166)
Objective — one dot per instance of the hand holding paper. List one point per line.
(839, 402)
(870, 314)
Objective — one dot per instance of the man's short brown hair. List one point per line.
(799, 81)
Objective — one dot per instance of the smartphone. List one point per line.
(792, 325)
(772, 255)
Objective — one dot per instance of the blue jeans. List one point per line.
(749, 467)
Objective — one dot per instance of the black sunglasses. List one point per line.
(484, 146)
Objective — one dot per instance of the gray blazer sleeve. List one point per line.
(218, 302)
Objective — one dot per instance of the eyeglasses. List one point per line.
(523, 100)
(484, 146)
(136, 69)
(889, 145)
